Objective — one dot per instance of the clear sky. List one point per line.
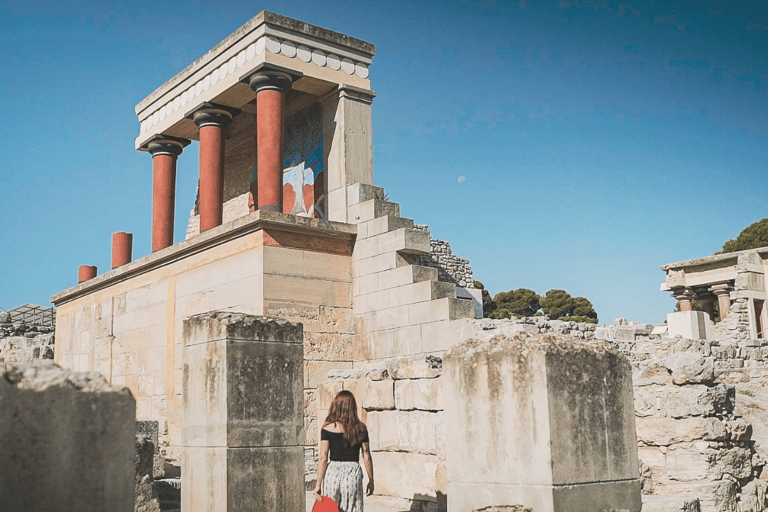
(572, 144)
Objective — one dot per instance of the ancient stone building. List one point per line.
(289, 224)
(734, 283)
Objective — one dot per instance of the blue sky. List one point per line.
(572, 144)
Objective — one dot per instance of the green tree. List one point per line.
(520, 302)
(753, 236)
(559, 304)
(488, 304)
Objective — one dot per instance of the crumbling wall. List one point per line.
(20, 342)
(694, 444)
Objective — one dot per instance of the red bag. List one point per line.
(327, 505)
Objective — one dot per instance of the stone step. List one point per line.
(371, 209)
(382, 225)
(408, 274)
(404, 295)
(361, 192)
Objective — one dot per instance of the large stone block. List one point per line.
(406, 475)
(403, 431)
(421, 394)
(544, 422)
(242, 413)
(695, 325)
(66, 440)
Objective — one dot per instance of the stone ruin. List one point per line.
(297, 278)
(27, 333)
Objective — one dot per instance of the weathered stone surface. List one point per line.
(242, 413)
(415, 367)
(683, 401)
(60, 433)
(667, 431)
(690, 368)
(145, 496)
(671, 504)
(653, 373)
(739, 429)
(735, 461)
(421, 394)
(522, 421)
(411, 431)
(395, 475)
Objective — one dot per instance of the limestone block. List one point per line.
(739, 429)
(415, 367)
(421, 394)
(403, 431)
(734, 461)
(326, 392)
(687, 465)
(405, 475)
(694, 325)
(667, 431)
(690, 368)
(242, 413)
(683, 401)
(671, 504)
(371, 395)
(315, 371)
(66, 440)
(653, 373)
(523, 425)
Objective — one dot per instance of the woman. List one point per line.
(342, 438)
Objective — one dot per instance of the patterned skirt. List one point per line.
(343, 483)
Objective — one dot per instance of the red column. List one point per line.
(723, 292)
(85, 272)
(164, 156)
(122, 248)
(270, 88)
(212, 120)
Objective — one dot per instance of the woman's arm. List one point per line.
(368, 468)
(322, 464)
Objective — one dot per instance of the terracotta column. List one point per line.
(723, 292)
(212, 120)
(85, 272)
(685, 300)
(165, 151)
(270, 84)
(122, 248)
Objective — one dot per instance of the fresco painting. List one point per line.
(303, 177)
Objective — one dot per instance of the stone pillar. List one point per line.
(122, 248)
(271, 84)
(165, 151)
(85, 272)
(524, 426)
(684, 300)
(66, 439)
(723, 292)
(348, 150)
(242, 414)
(211, 119)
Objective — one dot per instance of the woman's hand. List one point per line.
(369, 488)
(316, 493)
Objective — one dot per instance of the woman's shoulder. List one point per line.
(333, 428)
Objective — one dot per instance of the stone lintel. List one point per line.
(715, 258)
(293, 228)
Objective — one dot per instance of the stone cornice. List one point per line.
(255, 221)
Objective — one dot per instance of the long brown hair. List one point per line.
(343, 410)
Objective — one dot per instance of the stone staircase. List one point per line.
(400, 307)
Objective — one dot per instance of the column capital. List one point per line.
(212, 114)
(267, 76)
(720, 289)
(161, 144)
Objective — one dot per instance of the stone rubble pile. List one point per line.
(20, 342)
(487, 328)
(696, 453)
(735, 327)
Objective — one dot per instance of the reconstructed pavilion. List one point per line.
(724, 279)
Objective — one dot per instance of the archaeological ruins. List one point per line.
(298, 277)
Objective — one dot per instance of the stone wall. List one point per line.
(450, 268)
(696, 446)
